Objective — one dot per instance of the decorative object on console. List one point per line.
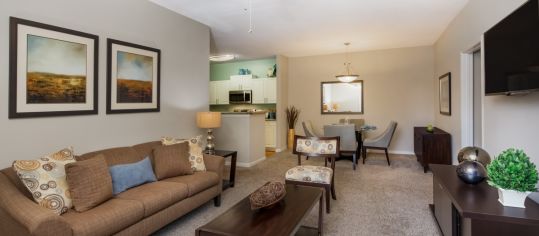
(348, 76)
(474, 154)
(471, 172)
(444, 92)
(267, 196)
(133, 78)
(429, 128)
(209, 120)
(292, 114)
(53, 70)
(45, 178)
(514, 175)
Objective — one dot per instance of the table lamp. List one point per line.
(209, 120)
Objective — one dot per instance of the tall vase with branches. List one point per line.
(292, 114)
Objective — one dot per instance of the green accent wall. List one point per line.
(223, 71)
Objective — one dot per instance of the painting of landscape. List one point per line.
(134, 81)
(56, 71)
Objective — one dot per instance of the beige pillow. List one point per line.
(46, 179)
(196, 156)
(89, 182)
(171, 161)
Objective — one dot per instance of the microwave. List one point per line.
(240, 97)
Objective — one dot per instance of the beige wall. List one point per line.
(398, 86)
(184, 48)
(508, 121)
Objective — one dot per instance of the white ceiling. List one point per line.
(311, 27)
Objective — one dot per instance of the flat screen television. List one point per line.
(511, 52)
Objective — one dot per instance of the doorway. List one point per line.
(472, 96)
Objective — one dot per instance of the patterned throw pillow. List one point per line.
(46, 179)
(196, 157)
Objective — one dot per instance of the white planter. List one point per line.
(512, 198)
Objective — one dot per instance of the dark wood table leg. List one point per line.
(233, 169)
(321, 216)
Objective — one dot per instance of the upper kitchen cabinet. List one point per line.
(241, 82)
(264, 91)
(270, 90)
(219, 92)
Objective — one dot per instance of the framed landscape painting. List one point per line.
(133, 76)
(52, 72)
(445, 94)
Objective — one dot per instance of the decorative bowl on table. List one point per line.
(267, 196)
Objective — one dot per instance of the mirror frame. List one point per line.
(341, 113)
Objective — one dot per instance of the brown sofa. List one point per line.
(138, 211)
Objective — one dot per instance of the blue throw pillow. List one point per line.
(126, 176)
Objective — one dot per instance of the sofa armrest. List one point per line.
(215, 164)
(20, 215)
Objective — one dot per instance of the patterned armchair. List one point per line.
(318, 176)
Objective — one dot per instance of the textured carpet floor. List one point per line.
(373, 200)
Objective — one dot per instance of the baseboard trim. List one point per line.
(247, 164)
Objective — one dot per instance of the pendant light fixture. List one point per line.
(348, 76)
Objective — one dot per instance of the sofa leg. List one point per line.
(217, 200)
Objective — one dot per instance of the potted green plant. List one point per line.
(292, 114)
(514, 175)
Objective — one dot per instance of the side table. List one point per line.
(228, 183)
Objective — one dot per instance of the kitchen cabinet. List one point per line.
(270, 90)
(241, 82)
(219, 92)
(264, 91)
(271, 133)
(258, 91)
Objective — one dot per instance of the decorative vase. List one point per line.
(291, 133)
(512, 198)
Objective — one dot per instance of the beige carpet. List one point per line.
(373, 200)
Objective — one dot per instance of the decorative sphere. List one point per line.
(471, 172)
(474, 154)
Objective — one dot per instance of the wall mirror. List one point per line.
(342, 98)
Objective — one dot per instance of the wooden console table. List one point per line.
(432, 147)
(464, 209)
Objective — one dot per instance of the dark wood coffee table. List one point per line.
(283, 219)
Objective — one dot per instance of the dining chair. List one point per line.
(315, 176)
(381, 142)
(308, 129)
(349, 142)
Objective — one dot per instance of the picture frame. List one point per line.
(53, 71)
(133, 78)
(444, 94)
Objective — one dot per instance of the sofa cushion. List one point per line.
(126, 176)
(115, 156)
(197, 182)
(45, 178)
(146, 149)
(89, 182)
(106, 219)
(156, 196)
(172, 161)
(196, 150)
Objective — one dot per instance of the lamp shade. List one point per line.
(208, 119)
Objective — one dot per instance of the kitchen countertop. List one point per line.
(243, 113)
